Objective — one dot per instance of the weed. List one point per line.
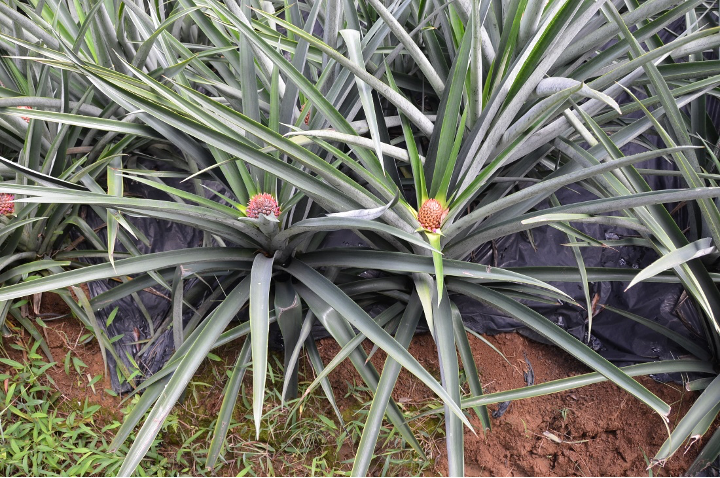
(647, 462)
(527, 432)
(42, 434)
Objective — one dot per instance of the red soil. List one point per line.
(605, 431)
(610, 429)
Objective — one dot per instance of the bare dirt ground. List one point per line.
(611, 431)
(604, 431)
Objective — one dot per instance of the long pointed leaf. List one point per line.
(260, 277)
(184, 372)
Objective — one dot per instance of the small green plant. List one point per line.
(525, 427)
(42, 434)
(647, 462)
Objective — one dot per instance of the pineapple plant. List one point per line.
(517, 96)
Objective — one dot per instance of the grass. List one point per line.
(308, 442)
(42, 432)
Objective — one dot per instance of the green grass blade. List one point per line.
(84, 121)
(583, 274)
(694, 250)
(401, 262)
(343, 333)
(424, 287)
(38, 177)
(707, 455)
(333, 223)
(149, 396)
(125, 267)
(382, 319)
(570, 383)
(450, 374)
(438, 264)
(291, 360)
(288, 310)
(352, 42)
(177, 304)
(468, 361)
(702, 406)
(97, 330)
(443, 139)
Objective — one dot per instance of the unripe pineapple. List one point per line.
(27, 120)
(431, 215)
(262, 204)
(7, 204)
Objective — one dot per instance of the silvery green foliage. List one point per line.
(489, 107)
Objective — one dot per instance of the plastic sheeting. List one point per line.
(615, 337)
(134, 323)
